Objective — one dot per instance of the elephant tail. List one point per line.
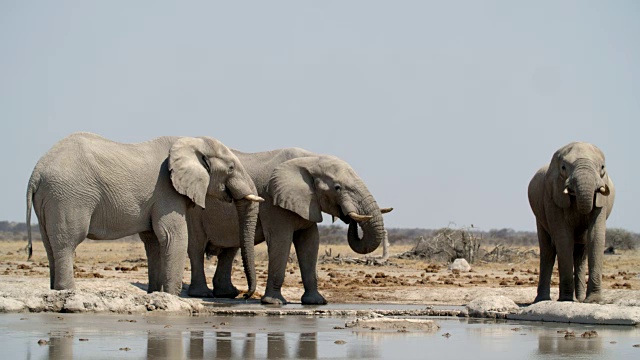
(31, 189)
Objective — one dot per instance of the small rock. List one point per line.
(42, 342)
(338, 328)
(447, 335)
(340, 342)
(461, 265)
(167, 326)
(224, 323)
(589, 334)
(83, 339)
(636, 345)
(569, 335)
(23, 319)
(125, 349)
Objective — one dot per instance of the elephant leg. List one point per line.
(547, 260)
(152, 248)
(222, 285)
(278, 246)
(579, 270)
(564, 249)
(64, 238)
(307, 242)
(52, 260)
(196, 250)
(171, 230)
(595, 249)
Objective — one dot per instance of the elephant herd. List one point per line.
(196, 197)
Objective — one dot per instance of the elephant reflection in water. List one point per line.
(228, 346)
(60, 345)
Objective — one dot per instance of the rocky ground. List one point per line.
(112, 275)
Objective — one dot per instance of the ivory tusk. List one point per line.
(254, 198)
(604, 190)
(360, 218)
(566, 190)
(386, 210)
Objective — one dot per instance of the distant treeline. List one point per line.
(335, 234)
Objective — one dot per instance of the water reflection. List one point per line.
(559, 345)
(227, 345)
(60, 345)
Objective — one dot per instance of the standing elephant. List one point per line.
(89, 187)
(297, 186)
(571, 198)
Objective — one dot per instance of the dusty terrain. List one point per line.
(121, 266)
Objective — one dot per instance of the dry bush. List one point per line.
(446, 245)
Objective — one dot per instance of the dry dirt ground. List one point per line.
(400, 281)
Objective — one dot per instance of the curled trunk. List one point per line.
(372, 230)
(247, 218)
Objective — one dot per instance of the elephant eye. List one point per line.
(563, 167)
(231, 168)
(337, 187)
(206, 164)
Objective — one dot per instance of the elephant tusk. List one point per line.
(254, 198)
(566, 190)
(360, 218)
(604, 190)
(386, 210)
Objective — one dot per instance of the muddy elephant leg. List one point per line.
(307, 242)
(222, 285)
(278, 245)
(595, 250)
(547, 260)
(171, 230)
(579, 270)
(152, 248)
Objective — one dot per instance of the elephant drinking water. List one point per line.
(298, 186)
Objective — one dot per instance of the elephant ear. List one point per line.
(188, 161)
(292, 187)
(555, 185)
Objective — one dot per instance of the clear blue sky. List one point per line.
(445, 108)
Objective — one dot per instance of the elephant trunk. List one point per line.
(585, 187)
(247, 218)
(372, 229)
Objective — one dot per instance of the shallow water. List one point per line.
(84, 336)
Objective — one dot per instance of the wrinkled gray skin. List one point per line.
(571, 198)
(89, 187)
(297, 186)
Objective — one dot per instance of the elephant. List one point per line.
(297, 186)
(572, 198)
(87, 186)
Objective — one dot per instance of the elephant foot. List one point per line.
(313, 298)
(199, 292)
(594, 299)
(226, 292)
(275, 299)
(540, 298)
(566, 298)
